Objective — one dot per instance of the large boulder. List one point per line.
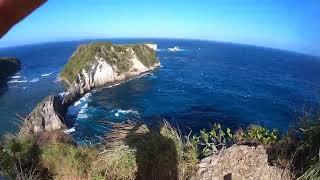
(47, 116)
(241, 162)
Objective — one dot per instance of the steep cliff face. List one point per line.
(99, 64)
(91, 66)
(48, 115)
(8, 66)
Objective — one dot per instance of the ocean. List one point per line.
(198, 84)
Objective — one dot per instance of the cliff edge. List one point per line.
(8, 66)
(91, 66)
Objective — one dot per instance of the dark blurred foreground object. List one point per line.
(13, 11)
(8, 66)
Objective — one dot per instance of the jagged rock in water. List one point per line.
(241, 162)
(47, 116)
(8, 66)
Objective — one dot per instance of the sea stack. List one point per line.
(91, 66)
(100, 64)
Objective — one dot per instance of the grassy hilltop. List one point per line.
(115, 55)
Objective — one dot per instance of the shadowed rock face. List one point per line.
(8, 66)
(241, 162)
(91, 66)
(47, 116)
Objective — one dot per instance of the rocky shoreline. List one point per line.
(96, 71)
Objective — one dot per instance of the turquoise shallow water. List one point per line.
(198, 84)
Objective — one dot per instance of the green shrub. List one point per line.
(306, 158)
(261, 134)
(67, 161)
(145, 55)
(212, 141)
(19, 158)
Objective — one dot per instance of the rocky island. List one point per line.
(91, 66)
(8, 66)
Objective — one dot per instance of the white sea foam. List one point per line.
(83, 112)
(17, 81)
(58, 79)
(45, 75)
(62, 94)
(80, 108)
(82, 100)
(175, 49)
(15, 77)
(68, 131)
(34, 80)
(121, 111)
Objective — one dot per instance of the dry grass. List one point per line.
(67, 161)
(159, 152)
(132, 151)
(115, 163)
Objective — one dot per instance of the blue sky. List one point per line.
(285, 24)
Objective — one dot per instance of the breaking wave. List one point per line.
(45, 75)
(34, 80)
(118, 112)
(175, 49)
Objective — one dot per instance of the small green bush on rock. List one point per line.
(261, 134)
(212, 141)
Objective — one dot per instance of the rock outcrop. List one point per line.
(48, 115)
(91, 66)
(240, 162)
(8, 66)
(100, 64)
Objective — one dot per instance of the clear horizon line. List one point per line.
(178, 38)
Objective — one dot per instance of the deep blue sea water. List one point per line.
(203, 83)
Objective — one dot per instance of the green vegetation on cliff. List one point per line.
(145, 55)
(8, 66)
(136, 151)
(116, 55)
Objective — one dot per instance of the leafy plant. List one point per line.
(262, 135)
(18, 159)
(307, 155)
(212, 141)
(67, 161)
